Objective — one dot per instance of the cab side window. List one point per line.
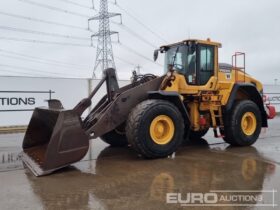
(191, 67)
(206, 65)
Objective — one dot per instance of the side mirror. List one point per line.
(156, 55)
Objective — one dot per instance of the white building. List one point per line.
(20, 95)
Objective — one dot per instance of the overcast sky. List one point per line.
(250, 26)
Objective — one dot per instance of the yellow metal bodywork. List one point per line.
(227, 81)
(162, 129)
(214, 94)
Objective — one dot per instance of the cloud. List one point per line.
(250, 26)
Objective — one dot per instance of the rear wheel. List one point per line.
(243, 127)
(116, 138)
(155, 128)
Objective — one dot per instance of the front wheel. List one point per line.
(243, 127)
(155, 128)
(116, 138)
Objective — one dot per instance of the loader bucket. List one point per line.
(54, 139)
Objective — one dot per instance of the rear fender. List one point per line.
(253, 94)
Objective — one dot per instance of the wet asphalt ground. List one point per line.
(117, 178)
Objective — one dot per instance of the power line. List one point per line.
(137, 53)
(18, 72)
(32, 60)
(42, 21)
(125, 61)
(54, 63)
(139, 22)
(126, 28)
(66, 25)
(76, 45)
(51, 61)
(44, 42)
(42, 33)
(76, 4)
(54, 8)
(35, 70)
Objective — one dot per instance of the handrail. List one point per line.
(236, 68)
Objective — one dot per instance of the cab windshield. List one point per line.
(183, 60)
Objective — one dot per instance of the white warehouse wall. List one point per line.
(69, 91)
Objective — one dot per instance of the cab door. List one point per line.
(206, 64)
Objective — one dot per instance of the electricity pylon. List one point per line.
(104, 54)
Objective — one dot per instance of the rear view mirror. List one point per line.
(155, 55)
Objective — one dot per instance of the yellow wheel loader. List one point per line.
(154, 114)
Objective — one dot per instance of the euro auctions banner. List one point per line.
(23, 100)
(20, 95)
(272, 93)
(273, 98)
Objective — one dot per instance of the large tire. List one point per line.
(243, 126)
(115, 138)
(155, 128)
(195, 135)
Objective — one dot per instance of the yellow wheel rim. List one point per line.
(249, 123)
(162, 129)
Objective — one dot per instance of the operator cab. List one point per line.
(195, 59)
